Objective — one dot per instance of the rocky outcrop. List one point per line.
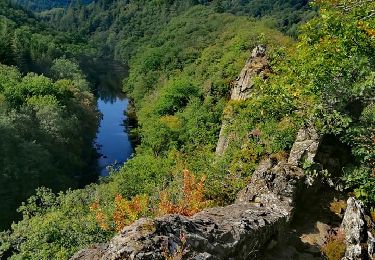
(305, 147)
(359, 240)
(256, 66)
(274, 186)
(224, 138)
(240, 231)
(237, 231)
(233, 232)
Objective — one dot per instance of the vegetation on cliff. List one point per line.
(181, 70)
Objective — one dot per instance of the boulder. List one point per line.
(274, 186)
(233, 232)
(256, 66)
(305, 147)
(359, 240)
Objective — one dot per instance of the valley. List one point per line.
(203, 108)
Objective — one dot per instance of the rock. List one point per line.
(318, 238)
(224, 139)
(353, 222)
(259, 51)
(370, 245)
(256, 66)
(238, 231)
(359, 241)
(259, 217)
(233, 232)
(305, 147)
(273, 186)
(94, 252)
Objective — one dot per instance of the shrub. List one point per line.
(191, 201)
(126, 212)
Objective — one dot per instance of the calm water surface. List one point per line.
(112, 140)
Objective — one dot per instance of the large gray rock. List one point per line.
(256, 66)
(305, 147)
(359, 241)
(233, 232)
(274, 186)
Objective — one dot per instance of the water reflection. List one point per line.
(112, 141)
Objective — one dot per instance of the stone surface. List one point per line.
(256, 66)
(273, 186)
(318, 238)
(370, 245)
(233, 232)
(359, 241)
(305, 147)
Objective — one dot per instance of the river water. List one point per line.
(112, 142)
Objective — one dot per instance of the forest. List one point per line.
(183, 57)
(41, 5)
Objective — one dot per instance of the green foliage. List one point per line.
(179, 80)
(54, 226)
(46, 129)
(329, 80)
(181, 70)
(287, 14)
(342, 82)
(121, 27)
(32, 45)
(40, 5)
(175, 96)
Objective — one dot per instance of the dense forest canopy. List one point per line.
(183, 57)
(47, 123)
(32, 45)
(120, 26)
(41, 5)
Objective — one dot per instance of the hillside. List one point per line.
(42, 5)
(217, 90)
(44, 139)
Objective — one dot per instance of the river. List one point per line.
(112, 142)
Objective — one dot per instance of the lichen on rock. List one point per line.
(359, 241)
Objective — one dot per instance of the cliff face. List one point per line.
(256, 67)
